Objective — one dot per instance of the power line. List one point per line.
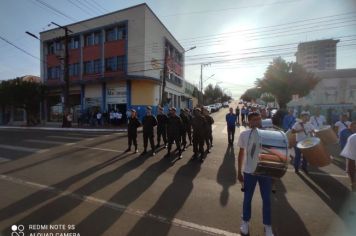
(78, 6)
(100, 6)
(92, 6)
(23, 50)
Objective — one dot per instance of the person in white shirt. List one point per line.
(349, 152)
(302, 129)
(342, 124)
(246, 167)
(318, 121)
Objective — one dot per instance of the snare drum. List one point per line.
(314, 152)
(267, 152)
(327, 135)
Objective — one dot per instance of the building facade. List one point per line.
(317, 55)
(116, 62)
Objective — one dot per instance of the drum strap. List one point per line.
(316, 120)
(301, 123)
(345, 125)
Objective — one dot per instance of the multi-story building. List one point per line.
(116, 61)
(317, 55)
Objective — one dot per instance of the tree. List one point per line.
(22, 94)
(214, 94)
(251, 94)
(284, 79)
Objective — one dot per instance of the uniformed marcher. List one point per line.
(149, 122)
(199, 128)
(209, 130)
(133, 124)
(189, 127)
(162, 120)
(174, 131)
(184, 117)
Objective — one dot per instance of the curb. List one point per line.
(64, 129)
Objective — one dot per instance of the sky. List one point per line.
(235, 39)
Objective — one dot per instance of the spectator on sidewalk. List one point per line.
(99, 118)
(346, 133)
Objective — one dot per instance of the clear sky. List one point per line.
(239, 38)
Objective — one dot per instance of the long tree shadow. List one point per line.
(64, 204)
(169, 203)
(124, 197)
(335, 195)
(226, 176)
(282, 211)
(57, 156)
(43, 195)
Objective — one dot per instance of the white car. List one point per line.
(208, 108)
(213, 108)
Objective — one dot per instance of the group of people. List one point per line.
(172, 128)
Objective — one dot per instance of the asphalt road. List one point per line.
(84, 180)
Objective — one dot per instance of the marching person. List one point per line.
(318, 121)
(231, 125)
(189, 125)
(302, 130)
(174, 131)
(133, 124)
(199, 129)
(149, 122)
(246, 165)
(349, 151)
(342, 124)
(209, 129)
(237, 115)
(185, 121)
(162, 120)
(243, 115)
(288, 120)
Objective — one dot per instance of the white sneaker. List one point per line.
(244, 227)
(268, 230)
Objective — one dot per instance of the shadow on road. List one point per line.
(226, 176)
(64, 204)
(336, 196)
(105, 216)
(169, 203)
(286, 220)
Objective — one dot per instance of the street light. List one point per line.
(209, 77)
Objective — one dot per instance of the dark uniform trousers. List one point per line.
(146, 137)
(176, 139)
(198, 144)
(189, 132)
(161, 131)
(184, 137)
(132, 139)
(230, 133)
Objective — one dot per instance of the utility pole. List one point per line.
(66, 73)
(201, 80)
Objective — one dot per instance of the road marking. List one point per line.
(121, 208)
(213, 127)
(100, 149)
(64, 137)
(24, 149)
(44, 141)
(322, 174)
(3, 159)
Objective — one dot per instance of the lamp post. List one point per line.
(201, 79)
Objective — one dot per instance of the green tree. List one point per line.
(283, 79)
(22, 94)
(251, 94)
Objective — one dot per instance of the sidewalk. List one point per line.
(58, 127)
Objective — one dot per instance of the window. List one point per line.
(121, 33)
(89, 39)
(97, 66)
(73, 43)
(110, 35)
(58, 46)
(111, 64)
(121, 63)
(54, 72)
(74, 69)
(50, 48)
(97, 37)
(88, 67)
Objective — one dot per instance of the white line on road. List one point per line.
(44, 141)
(64, 137)
(322, 174)
(3, 159)
(24, 149)
(122, 208)
(100, 149)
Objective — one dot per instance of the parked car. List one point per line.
(213, 108)
(225, 104)
(208, 108)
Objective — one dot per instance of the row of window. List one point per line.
(93, 38)
(174, 54)
(112, 64)
(175, 79)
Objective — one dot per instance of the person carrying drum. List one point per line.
(231, 125)
(133, 124)
(349, 152)
(288, 120)
(342, 124)
(199, 128)
(245, 176)
(174, 131)
(209, 129)
(149, 121)
(318, 121)
(161, 127)
(302, 129)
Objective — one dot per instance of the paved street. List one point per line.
(86, 180)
